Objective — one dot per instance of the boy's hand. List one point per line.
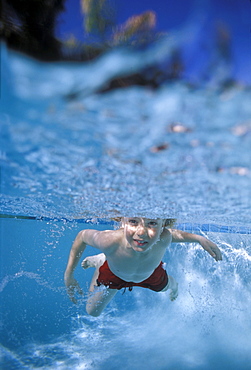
(72, 287)
(211, 248)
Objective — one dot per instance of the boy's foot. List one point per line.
(173, 286)
(174, 293)
(93, 261)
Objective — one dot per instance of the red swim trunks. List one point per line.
(157, 281)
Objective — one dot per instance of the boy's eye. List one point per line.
(153, 223)
(132, 222)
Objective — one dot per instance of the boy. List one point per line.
(131, 256)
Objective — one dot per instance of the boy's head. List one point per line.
(143, 233)
(168, 222)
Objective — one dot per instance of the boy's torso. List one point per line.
(130, 265)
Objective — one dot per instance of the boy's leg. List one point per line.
(99, 297)
(173, 286)
(93, 261)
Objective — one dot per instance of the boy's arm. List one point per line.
(103, 240)
(71, 283)
(179, 236)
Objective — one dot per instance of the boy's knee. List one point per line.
(93, 311)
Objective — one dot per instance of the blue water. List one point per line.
(72, 163)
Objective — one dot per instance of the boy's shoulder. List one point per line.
(116, 233)
(166, 236)
(102, 239)
(114, 236)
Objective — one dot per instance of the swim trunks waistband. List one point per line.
(157, 281)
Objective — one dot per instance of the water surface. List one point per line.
(71, 158)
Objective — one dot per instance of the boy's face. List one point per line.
(142, 233)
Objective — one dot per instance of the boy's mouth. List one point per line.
(140, 243)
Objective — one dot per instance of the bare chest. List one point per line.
(132, 266)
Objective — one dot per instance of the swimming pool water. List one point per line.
(94, 155)
(207, 327)
(70, 155)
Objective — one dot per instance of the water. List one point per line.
(71, 159)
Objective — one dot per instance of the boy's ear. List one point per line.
(169, 222)
(117, 219)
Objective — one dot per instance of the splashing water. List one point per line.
(207, 326)
(70, 152)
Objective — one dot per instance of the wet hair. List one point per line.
(169, 222)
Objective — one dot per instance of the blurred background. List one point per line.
(82, 29)
(115, 108)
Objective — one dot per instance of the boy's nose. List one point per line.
(140, 230)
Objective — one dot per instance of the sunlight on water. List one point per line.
(97, 155)
(69, 152)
